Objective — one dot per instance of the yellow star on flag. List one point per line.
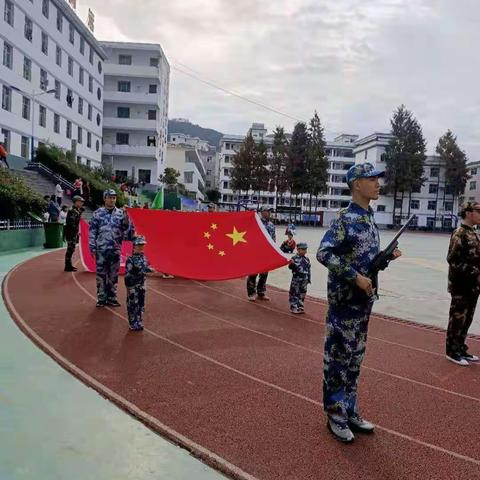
(236, 236)
(206, 234)
(213, 226)
(221, 253)
(210, 246)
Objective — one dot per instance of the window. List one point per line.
(90, 112)
(8, 12)
(473, 185)
(122, 138)
(225, 184)
(434, 171)
(366, 154)
(123, 112)
(58, 89)
(69, 98)
(99, 93)
(225, 172)
(6, 98)
(26, 108)
(89, 140)
(44, 43)
(80, 135)
(398, 203)
(69, 129)
(154, 62)
(188, 177)
(416, 189)
(432, 205)
(97, 145)
(70, 66)
(99, 119)
(59, 20)
(473, 171)
(43, 80)
(144, 175)
(56, 123)
(58, 56)
(209, 172)
(28, 29)
(152, 89)
(430, 222)
(125, 59)
(99, 66)
(27, 69)
(82, 45)
(90, 84)
(152, 114)
(80, 106)
(448, 190)
(447, 222)
(433, 188)
(448, 206)
(42, 117)
(6, 139)
(123, 86)
(71, 33)
(151, 141)
(383, 157)
(80, 75)
(7, 55)
(380, 208)
(45, 7)
(25, 148)
(227, 159)
(90, 57)
(414, 204)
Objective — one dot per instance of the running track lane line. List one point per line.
(198, 451)
(281, 389)
(311, 350)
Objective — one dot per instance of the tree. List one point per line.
(260, 173)
(278, 163)
(213, 195)
(243, 165)
(455, 161)
(170, 177)
(297, 158)
(405, 157)
(316, 169)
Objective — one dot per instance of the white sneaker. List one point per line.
(470, 358)
(458, 360)
(252, 298)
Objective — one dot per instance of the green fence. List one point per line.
(17, 239)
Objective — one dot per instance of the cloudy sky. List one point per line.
(354, 61)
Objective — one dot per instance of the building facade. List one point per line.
(137, 77)
(472, 187)
(51, 80)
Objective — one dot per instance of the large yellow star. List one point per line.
(236, 236)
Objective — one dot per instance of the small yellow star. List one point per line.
(210, 246)
(206, 234)
(236, 236)
(213, 226)
(221, 253)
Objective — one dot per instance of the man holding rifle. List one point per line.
(350, 250)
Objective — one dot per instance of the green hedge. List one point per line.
(60, 162)
(17, 198)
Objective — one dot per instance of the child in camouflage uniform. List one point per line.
(301, 277)
(136, 268)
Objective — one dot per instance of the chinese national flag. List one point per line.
(206, 246)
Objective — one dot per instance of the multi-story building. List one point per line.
(184, 139)
(51, 80)
(135, 110)
(472, 187)
(432, 203)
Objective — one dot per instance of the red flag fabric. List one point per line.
(207, 246)
(88, 260)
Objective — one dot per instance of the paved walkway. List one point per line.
(239, 383)
(52, 427)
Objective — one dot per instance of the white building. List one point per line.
(51, 79)
(184, 139)
(432, 203)
(136, 110)
(187, 161)
(472, 187)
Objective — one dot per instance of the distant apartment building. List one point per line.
(472, 187)
(135, 110)
(51, 80)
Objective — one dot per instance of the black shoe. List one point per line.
(101, 303)
(136, 328)
(470, 357)
(113, 303)
(69, 268)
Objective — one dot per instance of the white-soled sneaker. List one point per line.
(470, 357)
(458, 360)
(252, 298)
(340, 431)
(359, 424)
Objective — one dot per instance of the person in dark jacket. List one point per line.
(53, 210)
(71, 229)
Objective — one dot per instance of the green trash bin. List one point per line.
(53, 235)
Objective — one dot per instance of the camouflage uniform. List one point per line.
(300, 279)
(107, 229)
(135, 269)
(72, 225)
(464, 286)
(348, 248)
(252, 285)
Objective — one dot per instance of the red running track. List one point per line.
(239, 383)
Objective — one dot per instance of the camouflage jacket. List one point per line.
(270, 227)
(136, 268)
(349, 247)
(301, 267)
(107, 229)
(72, 223)
(464, 261)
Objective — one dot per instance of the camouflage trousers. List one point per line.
(71, 244)
(135, 305)
(108, 264)
(462, 309)
(298, 291)
(345, 343)
(253, 287)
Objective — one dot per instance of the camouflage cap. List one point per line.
(469, 207)
(110, 192)
(78, 198)
(139, 240)
(362, 170)
(302, 245)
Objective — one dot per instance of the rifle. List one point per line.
(382, 260)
